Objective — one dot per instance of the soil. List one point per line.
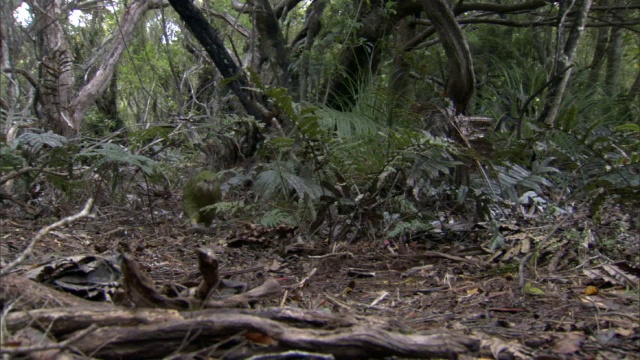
(559, 303)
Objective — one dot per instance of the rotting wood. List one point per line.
(170, 331)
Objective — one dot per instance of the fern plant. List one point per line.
(33, 154)
(277, 217)
(280, 180)
(34, 142)
(112, 161)
(112, 155)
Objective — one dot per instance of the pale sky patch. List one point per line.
(23, 15)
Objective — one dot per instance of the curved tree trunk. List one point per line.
(213, 45)
(61, 107)
(99, 83)
(460, 77)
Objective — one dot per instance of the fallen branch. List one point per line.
(154, 333)
(44, 231)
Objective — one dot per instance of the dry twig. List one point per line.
(44, 231)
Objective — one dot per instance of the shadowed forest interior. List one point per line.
(329, 179)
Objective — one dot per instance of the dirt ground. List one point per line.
(572, 306)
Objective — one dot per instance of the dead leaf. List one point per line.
(568, 343)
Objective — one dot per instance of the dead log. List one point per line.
(63, 321)
(106, 331)
(158, 333)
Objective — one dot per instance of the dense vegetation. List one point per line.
(387, 116)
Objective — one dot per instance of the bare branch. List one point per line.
(44, 231)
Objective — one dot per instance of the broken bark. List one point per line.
(22, 293)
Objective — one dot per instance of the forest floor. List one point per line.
(577, 297)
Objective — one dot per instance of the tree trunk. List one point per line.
(599, 54)
(11, 90)
(565, 56)
(543, 45)
(57, 83)
(312, 26)
(614, 62)
(61, 107)
(99, 83)
(460, 77)
(358, 62)
(401, 67)
(272, 43)
(213, 45)
(634, 92)
(108, 105)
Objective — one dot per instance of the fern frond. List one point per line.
(346, 124)
(33, 142)
(276, 217)
(114, 154)
(268, 182)
(304, 186)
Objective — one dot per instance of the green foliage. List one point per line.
(514, 184)
(98, 124)
(47, 154)
(352, 153)
(228, 208)
(32, 143)
(278, 181)
(346, 124)
(113, 156)
(11, 158)
(513, 92)
(277, 217)
(409, 227)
